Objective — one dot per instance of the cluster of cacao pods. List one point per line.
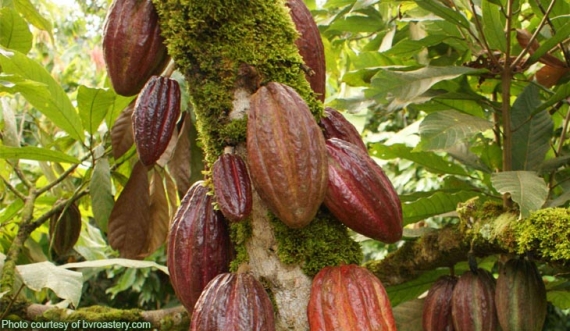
(475, 301)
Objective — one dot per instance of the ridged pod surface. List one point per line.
(286, 154)
(360, 195)
(64, 229)
(437, 305)
(349, 297)
(156, 111)
(199, 245)
(310, 45)
(336, 126)
(520, 296)
(473, 302)
(232, 187)
(233, 302)
(133, 48)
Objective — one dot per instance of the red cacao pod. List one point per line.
(437, 305)
(154, 119)
(286, 154)
(348, 297)
(336, 126)
(232, 187)
(133, 48)
(233, 302)
(64, 229)
(520, 296)
(473, 302)
(360, 195)
(199, 245)
(310, 46)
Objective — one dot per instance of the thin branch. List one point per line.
(483, 40)
(22, 177)
(13, 189)
(63, 176)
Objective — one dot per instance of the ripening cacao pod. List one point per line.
(360, 195)
(233, 302)
(154, 119)
(64, 229)
(473, 302)
(520, 296)
(232, 187)
(133, 48)
(336, 126)
(310, 46)
(199, 245)
(437, 305)
(286, 154)
(349, 297)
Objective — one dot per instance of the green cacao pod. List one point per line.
(233, 302)
(437, 305)
(349, 297)
(336, 126)
(133, 48)
(232, 187)
(473, 302)
(360, 195)
(156, 111)
(286, 154)
(64, 229)
(520, 296)
(310, 46)
(199, 245)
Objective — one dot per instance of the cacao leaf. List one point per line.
(101, 191)
(93, 104)
(135, 264)
(525, 187)
(493, 26)
(122, 138)
(180, 162)
(561, 34)
(31, 14)
(130, 220)
(14, 31)
(432, 203)
(560, 299)
(160, 216)
(413, 289)
(36, 153)
(446, 13)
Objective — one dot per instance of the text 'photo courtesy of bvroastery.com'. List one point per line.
(6, 324)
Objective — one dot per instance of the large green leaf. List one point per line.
(493, 26)
(35, 153)
(531, 133)
(93, 104)
(444, 129)
(402, 88)
(55, 105)
(412, 289)
(444, 12)
(101, 191)
(116, 262)
(417, 207)
(31, 14)
(525, 188)
(429, 160)
(14, 31)
(560, 299)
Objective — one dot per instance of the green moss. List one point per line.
(212, 41)
(324, 242)
(240, 232)
(546, 230)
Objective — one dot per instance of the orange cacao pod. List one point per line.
(133, 48)
(64, 229)
(349, 297)
(154, 119)
(336, 126)
(437, 305)
(520, 296)
(198, 245)
(473, 302)
(286, 154)
(232, 187)
(233, 302)
(310, 45)
(360, 195)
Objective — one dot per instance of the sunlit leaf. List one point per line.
(433, 204)
(444, 12)
(135, 264)
(31, 14)
(414, 288)
(560, 299)
(66, 284)
(93, 104)
(101, 191)
(14, 31)
(129, 223)
(10, 211)
(35, 153)
(525, 188)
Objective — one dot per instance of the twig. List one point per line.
(483, 40)
(13, 189)
(63, 176)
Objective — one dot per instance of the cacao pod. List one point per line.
(64, 229)
(154, 119)
(232, 187)
(437, 305)
(199, 245)
(348, 297)
(133, 48)
(310, 46)
(520, 296)
(336, 126)
(233, 302)
(360, 195)
(473, 302)
(286, 154)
